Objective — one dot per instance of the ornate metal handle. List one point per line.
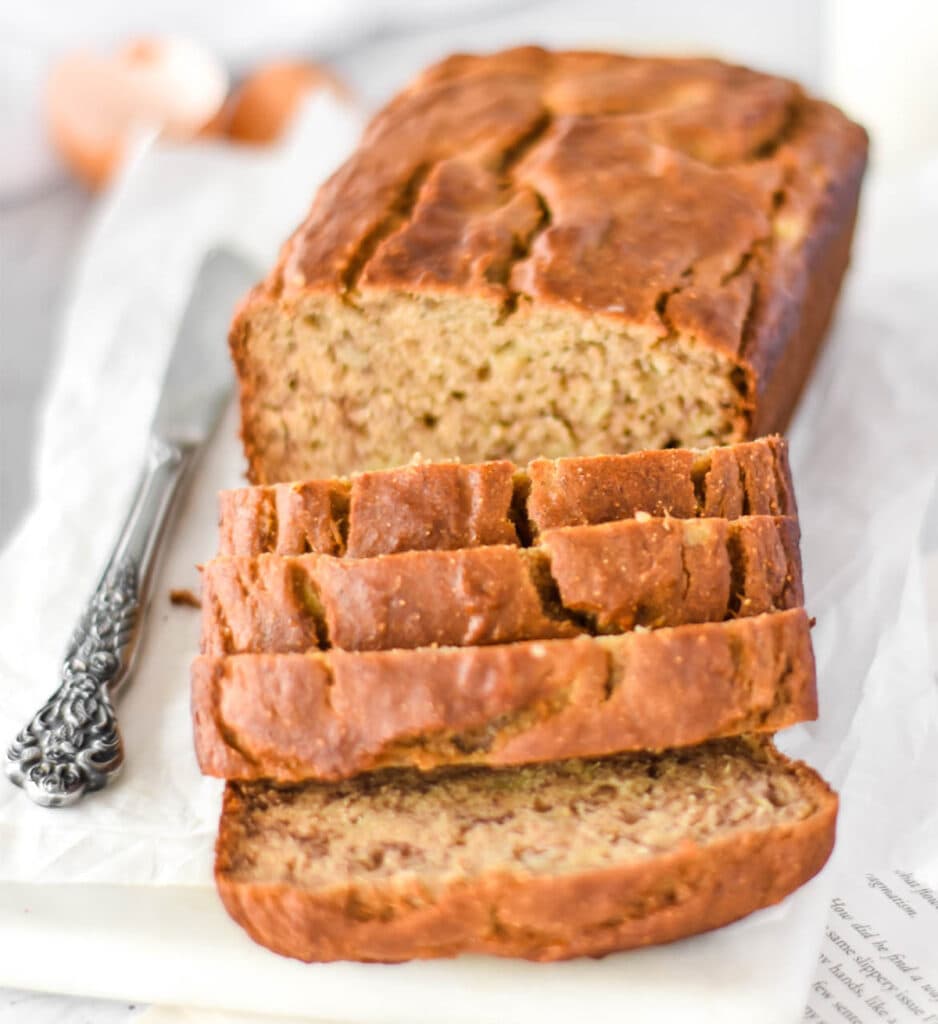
(72, 745)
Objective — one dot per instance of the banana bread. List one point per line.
(447, 505)
(606, 578)
(544, 861)
(541, 254)
(301, 716)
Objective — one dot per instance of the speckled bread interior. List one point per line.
(544, 862)
(541, 254)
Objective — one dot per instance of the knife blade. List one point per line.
(199, 376)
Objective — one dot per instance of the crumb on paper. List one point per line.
(184, 596)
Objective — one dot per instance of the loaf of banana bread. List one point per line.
(331, 715)
(544, 254)
(545, 861)
(447, 505)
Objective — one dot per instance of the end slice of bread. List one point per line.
(544, 862)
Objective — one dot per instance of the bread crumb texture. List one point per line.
(567, 816)
(546, 861)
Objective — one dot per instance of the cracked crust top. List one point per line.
(665, 192)
(449, 505)
(607, 578)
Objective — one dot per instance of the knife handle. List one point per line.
(72, 745)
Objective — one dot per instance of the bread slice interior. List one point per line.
(559, 818)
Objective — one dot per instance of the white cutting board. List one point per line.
(175, 945)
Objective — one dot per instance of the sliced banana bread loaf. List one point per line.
(301, 716)
(540, 254)
(544, 862)
(638, 572)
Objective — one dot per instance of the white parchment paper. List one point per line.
(865, 458)
(130, 288)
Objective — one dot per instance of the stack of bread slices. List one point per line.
(526, 711)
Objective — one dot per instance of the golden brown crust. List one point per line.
(747, 479)
(752, 477)
(602, 488)
(411, 599)
(668, 135)
(284, 519)
(509, 912)
(682, 198)
(665, 572)
(294, 717)
(802, 271)
(425, 506)
(611, 577)
(422, 507)
(443, 506)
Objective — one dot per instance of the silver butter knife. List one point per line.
(72, 745)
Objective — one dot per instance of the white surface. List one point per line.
(862, 490)
(38, 240)
(205, 960)
(33, 36)
(884, 71)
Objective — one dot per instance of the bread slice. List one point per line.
(541, 254)
(413, 599)
(422, 506)
(612, 577)
(544, 862)
(665, 572)
(446, 505)
(742, 479)
(302, 716)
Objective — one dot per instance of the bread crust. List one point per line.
(665, 572)
(660, 899)
(742, 479)
(330, 716)
(610, 577)
(797, 297)
(446, 506)
(439, 506)
(284, 519)
(423, 506)
(673, 197)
